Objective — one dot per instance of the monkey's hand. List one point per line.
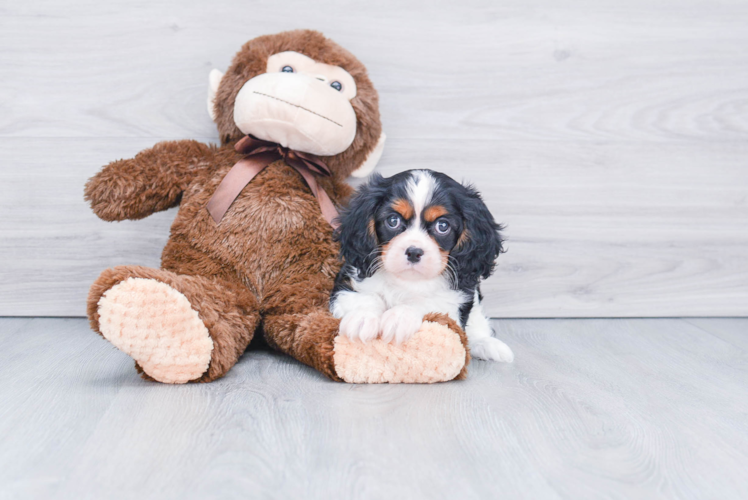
(152, 181)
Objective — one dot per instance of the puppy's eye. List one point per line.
(287, 69)
(393, 221)
(442, 226)
(337, 86)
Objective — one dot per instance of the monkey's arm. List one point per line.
(152, 181)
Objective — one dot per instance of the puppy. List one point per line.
(415, 243)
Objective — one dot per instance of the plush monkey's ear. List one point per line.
(213, 80)
(372, 159)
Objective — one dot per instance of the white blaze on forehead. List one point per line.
(420, 189)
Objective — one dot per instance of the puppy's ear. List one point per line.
(357, 231)
(480, 243)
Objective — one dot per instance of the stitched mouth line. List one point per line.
(297, 106)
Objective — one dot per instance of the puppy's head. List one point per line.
(418, 225)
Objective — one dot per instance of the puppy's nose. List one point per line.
(414, 254)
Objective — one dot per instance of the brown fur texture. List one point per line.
(252, 60)
(271, 256)
(270, 264)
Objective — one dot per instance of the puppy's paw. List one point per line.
(360, 325)
(399, 324)
(491, 349)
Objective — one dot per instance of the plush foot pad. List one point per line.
(433, 354)
(157, 327)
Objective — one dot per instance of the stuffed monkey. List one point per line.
(251, 249)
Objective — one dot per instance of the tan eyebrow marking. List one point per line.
(372, 228)
(403, 207)
(434, 212)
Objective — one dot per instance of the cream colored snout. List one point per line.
(429, 265)
(297, 111)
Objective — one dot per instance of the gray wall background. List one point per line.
(610, 137)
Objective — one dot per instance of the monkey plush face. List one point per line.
(299, 103)
(304, 92)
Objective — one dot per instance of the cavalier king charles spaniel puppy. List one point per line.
(415, 243)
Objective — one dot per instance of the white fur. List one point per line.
(361, 324)
(483, 345)
(395, 261)
(420, 189)
(399, 306)
(434, 295)
(399, 323)
(397, 302)
(360, 314)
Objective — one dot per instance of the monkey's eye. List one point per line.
(393, 221)
(442, 227)
(337, 86)
(287, 69)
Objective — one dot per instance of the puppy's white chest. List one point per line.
(425, 296)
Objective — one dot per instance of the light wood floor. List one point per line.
(651, 408)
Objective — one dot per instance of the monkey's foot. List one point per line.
(433, 354)
(156, 326)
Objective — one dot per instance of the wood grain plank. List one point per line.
(53, 246)
(731, 330)
(54, 391)
(609, 138)
(590, 409)
(645, 71)
(606, 230)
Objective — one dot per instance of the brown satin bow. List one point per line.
(260, 154)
